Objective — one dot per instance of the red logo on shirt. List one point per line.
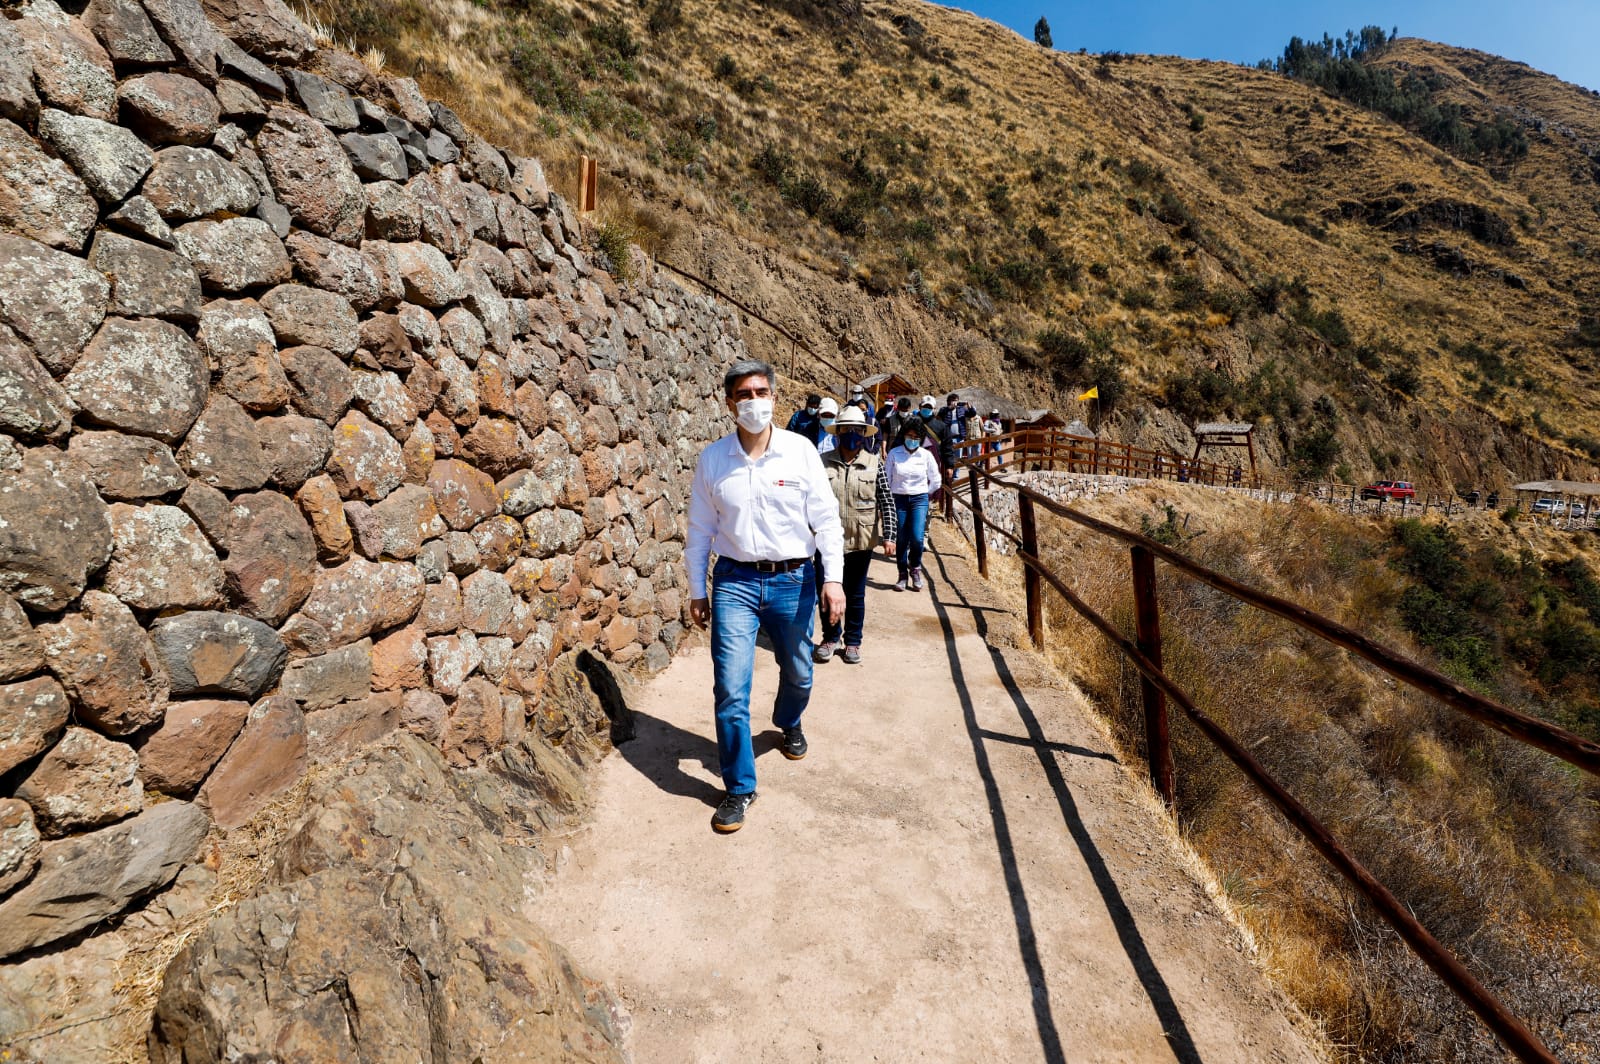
(781, 483)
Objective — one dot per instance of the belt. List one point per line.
(772, 567)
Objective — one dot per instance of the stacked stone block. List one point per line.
(315, 422)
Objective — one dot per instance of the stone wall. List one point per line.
(316, 423)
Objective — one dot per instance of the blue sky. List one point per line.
(1560, 37)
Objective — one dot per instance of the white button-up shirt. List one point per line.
(913, 472)
(770, 509)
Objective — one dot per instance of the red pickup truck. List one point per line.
(1389, 489)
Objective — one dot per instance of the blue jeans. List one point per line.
(911, 511)
(856, 564)
(744, 602)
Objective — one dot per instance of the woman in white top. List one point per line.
(913, 476)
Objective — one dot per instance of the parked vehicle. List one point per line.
(1557, 508)
(1389, 489)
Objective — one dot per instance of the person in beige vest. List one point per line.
(867, 512)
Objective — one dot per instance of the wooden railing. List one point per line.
(1143, 650)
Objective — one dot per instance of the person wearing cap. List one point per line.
(866, 508)
(760, 501)
(913, 477)
(858, 394)
(803, 422)
(827, 413)
(895, 421)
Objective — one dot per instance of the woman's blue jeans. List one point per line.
(744, 602)
(911, 511)
(856, 564)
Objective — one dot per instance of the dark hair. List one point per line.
(813, 399)
(915, 428)
(952, 397)
(749, 367)
(903, 403)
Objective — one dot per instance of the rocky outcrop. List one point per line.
(362, 944)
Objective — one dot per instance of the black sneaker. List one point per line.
(729, 816)
(793, 746)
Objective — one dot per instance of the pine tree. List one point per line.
(1041, 33)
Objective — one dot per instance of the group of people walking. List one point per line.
(793, 516)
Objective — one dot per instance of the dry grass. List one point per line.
(999, 158)
(240, 860)
(1491, 844)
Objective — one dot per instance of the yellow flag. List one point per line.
(1092, 393)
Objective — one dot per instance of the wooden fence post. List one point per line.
(1032, 583)
(979, 539)
(1147, 634)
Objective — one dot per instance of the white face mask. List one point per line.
(755, 414)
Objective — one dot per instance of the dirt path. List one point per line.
(957, 872)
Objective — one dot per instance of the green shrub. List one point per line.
(726, 69)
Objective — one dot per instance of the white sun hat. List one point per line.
(852, 420)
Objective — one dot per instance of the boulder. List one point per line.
(53, 300)
(441, 606)
(463, 494)
(110, 159)
(313, 318)
(32, 714)
(70, 68)
(224, 448)
(326, 101)
(127, 468)
(139, 217)
(486, 602)
(168, 108)
(265, 28)
(32, 404)
(365, 462)
(210, 510)
(392, 213)
(430, 280)
(272, 557)
(19, 101)
(497, 446)
(126, 32)
(185, 27)
(107, 664)
(87, 878)
(267, 758)
(328, 679)
(85, 781)
(160, 560)
(235, 253)
(55, 532)
(334, 268)
(451, 659)
(475, 727)
(296, 448)
(383, 397)
(385, 339)
(141, 376)
(187, 183)
(361, 597)
(400, 661)
(321, 385)
(244, 352)
(312, 175)
(278, 976)
(20, 650)
(210, 653)
(193, 736)
(239, 101)
(341, 731)
(146, 280)
(376, 156)
(402, 521)
(319, 502)
(19, 844)
(40, 196)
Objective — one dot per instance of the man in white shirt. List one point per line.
(763, 504)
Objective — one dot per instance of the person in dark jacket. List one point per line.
(894, 422)
(804, 422)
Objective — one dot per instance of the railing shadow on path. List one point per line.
(1155, 987)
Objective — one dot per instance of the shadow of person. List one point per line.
(658, 750)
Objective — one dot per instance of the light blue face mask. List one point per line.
(827, 420)
(912, 445)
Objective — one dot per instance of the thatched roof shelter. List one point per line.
(1560, 487)
(882, 384)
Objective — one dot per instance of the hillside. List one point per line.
(916, 188)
